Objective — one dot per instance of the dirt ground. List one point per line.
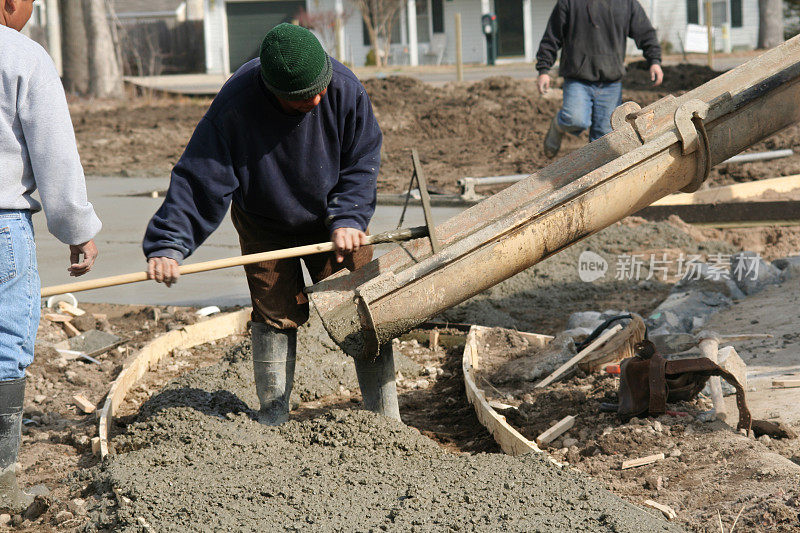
(489, 128)
(214, 381)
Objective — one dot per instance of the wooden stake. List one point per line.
(433, 341)
(555, 431)
(632, 463)
(577, 358)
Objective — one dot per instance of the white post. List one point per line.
(527, 27)
(340, 44)
(53, 32)
(459, 61)
(413, 46)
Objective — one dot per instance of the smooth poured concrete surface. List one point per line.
(125, 218)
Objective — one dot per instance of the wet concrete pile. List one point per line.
(195, 458)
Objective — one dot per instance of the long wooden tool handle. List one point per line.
(398, 235)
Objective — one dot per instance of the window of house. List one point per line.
(423, 22)
(719, 12)
(437, 16)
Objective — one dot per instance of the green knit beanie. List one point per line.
(294, 66)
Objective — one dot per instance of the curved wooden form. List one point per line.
(509, 439)
(152, 352)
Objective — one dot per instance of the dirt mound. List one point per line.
(677, 78)
(493, 127)
(196, 457)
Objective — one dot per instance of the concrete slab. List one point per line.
(125, 218)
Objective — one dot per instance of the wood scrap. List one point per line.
(642, 461)
(83, 404)
(70, 309)
(96, 446)
(57, 317)
(560, 371)
(556, 430)
(668, 511)
(71, 330)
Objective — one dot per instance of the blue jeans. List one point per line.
(589, 105)
(19, 293)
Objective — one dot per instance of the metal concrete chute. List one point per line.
(666, 147)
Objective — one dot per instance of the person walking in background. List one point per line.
(592, 36)
(37, 151)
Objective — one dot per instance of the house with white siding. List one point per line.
(425, 29)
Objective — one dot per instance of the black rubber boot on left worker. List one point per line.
(274, 356)
(12, 499)
(552, 141)
(376, 380)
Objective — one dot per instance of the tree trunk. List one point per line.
(105, 78)
(770, 23)
(74, 53)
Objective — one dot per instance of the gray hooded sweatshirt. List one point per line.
(37, 142)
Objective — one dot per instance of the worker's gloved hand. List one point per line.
(164, 270)
(89, 252)
(543, 83)
(656, 74)
(346, 241)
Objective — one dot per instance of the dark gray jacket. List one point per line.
(592, 35)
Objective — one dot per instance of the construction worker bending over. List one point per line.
(37, 151)
(592, 37)
(292, 143)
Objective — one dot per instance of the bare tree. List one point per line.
(74, 52)
(105, 78)
(324, 24)
(770, 23)
(379, 17)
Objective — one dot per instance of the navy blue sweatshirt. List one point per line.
(298, 174)
(592, 35)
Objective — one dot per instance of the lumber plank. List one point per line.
(785, 383)
(509, 439)
(560, 371)
(737, 191)
(642, 461)
(556, 430)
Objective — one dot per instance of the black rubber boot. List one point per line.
(274, 355)
(552, 141)
(12, 394)
(376, 379)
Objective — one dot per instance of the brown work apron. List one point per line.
(276, 287)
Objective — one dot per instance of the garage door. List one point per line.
(248, 22)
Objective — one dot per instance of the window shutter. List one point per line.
(736, 13)
(692, 12)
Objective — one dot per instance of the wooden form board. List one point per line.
(737, 191)
(509, 439)
(152, 352)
